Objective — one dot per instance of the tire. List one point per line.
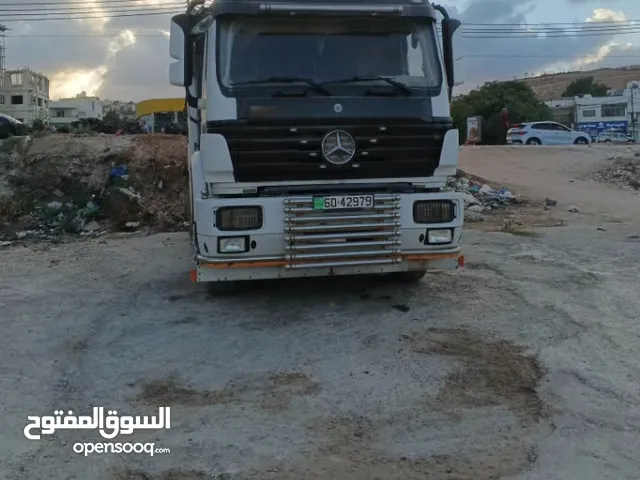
(607, 141)
(534, 141)
(581, 141)
(630, 142)
(412, 276)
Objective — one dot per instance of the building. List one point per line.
(24, 95)
(124, 110)
(68, 110)
(563, 111)
(159, 113)
(619, 111)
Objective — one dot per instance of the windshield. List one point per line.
(368, 53)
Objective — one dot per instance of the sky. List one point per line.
(127, 58)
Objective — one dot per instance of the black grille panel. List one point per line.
(279, 151)
(433, 211)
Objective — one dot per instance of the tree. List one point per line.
(111, 122)
(38, 125)
(487, 101)
(585, 86)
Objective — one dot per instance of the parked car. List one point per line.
(545, 133)
(10, 126)
(615, 137)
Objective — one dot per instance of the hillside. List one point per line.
(550, 87)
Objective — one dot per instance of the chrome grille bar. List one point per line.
(349, 237)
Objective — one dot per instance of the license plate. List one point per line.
(344, 201)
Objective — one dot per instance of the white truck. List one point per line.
(320, 138)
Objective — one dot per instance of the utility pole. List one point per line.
(633, 116)
(3, 49)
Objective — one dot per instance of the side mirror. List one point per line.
(449, 27)
(181, 49)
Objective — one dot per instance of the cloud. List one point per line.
(485, 59)
(98, 55)
(127, 58)
(606, 15)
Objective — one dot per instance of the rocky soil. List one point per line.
(621, 171)
(88, 184)
(57, 187)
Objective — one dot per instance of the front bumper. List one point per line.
(298, 241)
(262, 269)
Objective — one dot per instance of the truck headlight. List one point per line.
(233, 244)
(239, 218)
(440, 236)
(433, 211)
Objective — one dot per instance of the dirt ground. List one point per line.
(523, 365)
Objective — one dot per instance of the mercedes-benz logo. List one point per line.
(338, 147)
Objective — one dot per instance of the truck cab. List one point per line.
(320, 138)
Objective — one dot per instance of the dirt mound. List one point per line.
(623, 172)
(73, 183)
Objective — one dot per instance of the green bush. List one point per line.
(488, 100)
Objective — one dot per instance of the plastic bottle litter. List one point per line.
(120, 171)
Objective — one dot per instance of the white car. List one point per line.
(615, 137)
(545, 133)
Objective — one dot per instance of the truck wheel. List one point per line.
(408, 277)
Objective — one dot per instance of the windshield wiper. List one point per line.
(364, 78)
(315, 85)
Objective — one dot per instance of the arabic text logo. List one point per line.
(109, 426)
(338, 147)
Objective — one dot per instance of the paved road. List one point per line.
(524, 365)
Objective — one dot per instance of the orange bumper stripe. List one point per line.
(282, 263)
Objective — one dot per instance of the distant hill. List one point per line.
(550, 87)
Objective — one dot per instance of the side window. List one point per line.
(560, 128)
(541, 126)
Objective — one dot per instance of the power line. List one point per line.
(64, 9)
(481, 55)
(617, 22)
(106, 35)
(72, 2)
(552, 30)
(87, 17)
(549, 30)
(546, 35)
(84, 12)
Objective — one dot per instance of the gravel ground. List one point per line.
(523, 365)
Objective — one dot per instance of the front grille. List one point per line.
(316, 239)
(278, 151)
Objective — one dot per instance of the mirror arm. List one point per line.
(449, 26)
